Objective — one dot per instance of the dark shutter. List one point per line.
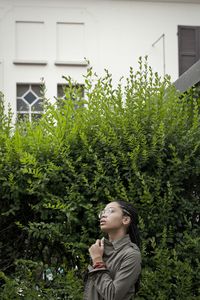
(189, 46)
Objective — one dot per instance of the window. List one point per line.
(189, 46)
(70, 41)
(30, 37)
(29, 101)
(77, 93)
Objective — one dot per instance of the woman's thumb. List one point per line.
(102, 243)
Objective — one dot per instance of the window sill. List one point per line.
(30, 62)
(78, 63)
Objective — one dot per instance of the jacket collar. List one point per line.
(118, 244)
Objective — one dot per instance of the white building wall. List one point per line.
(38, 38)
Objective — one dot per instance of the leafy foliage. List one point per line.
(138, 141)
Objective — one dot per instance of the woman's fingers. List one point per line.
(98, 243)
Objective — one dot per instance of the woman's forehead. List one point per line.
(112, 205)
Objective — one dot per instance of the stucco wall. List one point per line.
(114, 34)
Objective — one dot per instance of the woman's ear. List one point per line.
(126, 220)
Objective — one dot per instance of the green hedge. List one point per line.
(138, 141)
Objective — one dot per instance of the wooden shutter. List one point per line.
(189, 46)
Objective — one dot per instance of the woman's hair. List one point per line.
(133, 231)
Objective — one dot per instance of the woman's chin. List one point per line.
(103, 227)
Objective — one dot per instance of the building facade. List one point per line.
(51, 38)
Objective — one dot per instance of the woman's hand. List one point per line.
(96, 251)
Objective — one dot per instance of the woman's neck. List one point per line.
(114, 236)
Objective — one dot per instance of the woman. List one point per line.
(116, 261)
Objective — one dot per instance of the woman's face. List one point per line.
(112, 218)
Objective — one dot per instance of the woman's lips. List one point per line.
(102, 222)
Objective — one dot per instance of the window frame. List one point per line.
(29, 112)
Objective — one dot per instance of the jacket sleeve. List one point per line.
(124, 281)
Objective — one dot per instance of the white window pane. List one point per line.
(30, 40)
(70, 41)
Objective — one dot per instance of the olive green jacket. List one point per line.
(117, 281)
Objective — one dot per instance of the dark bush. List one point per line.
(138, 141)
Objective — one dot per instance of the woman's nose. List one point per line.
(104, 215)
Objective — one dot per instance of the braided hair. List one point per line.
(133, 231)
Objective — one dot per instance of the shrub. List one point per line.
(138, 141)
